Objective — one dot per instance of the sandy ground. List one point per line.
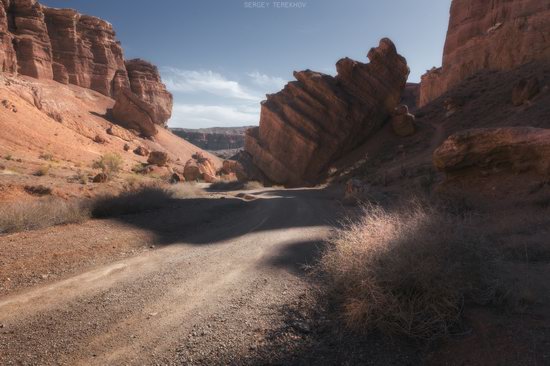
(208, 292)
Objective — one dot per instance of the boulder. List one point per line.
(200, 168)
(177, 178)
(100, 139)
(158, 158)
(317, 119)
(141, 151)
(191, 171)
(489, 35)
(491, 150)
(131, 112)
(145, 82)
(525, 90)
(402, 121)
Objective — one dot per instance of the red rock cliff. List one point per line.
(145, 82)
(318, 118)
(72, 48)
(85, 51)
(489, 34)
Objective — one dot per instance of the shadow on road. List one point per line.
(209, 221)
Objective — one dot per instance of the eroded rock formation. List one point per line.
(495, 150)
(133, 113)
(489, 35)
(318, 118)
(145, 82)
(85, 50)
(71, 48)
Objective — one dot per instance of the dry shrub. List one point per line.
(409, 271)
(42, 171)
(109, 164)
(31, 215)
(131, 202)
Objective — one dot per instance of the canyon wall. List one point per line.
(218, 138)
(318, 118)
(489, 35)
(72, 48)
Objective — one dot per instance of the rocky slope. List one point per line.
(318, 118)
(489, 35)
(71, 48)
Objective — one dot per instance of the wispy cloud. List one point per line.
(205, 81)
(204, 98)
(199, 115)
(272, 83)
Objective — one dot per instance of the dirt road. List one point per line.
(210, 292)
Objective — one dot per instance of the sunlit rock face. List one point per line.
(489, 35)
(318, 118)
(72, 48)
(145, 82)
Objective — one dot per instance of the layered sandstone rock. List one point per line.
(131, 112)
(8, 57)
(495, 150)
(489, 35)
(145, 82)
(72, 48)
(31, 39)
(86, 50)
(318, 118)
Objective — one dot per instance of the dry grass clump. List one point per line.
(32, 215)
(109, 164)
(42, 171)
(408, 272)
(131, 202)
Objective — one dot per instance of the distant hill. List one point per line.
(214, 138)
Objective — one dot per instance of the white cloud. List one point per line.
(193, 81)
(200, 115)
(267, 82)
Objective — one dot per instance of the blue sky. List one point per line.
(220, 57)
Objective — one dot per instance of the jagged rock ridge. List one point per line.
(489, 35)
(318, 118)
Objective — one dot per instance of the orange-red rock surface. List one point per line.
(145, 82)
(318, 118)
(489, 35)
(494, 150)
(72, 48)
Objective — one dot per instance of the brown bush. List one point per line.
(22, 216)
(131, 202)
(408, 272)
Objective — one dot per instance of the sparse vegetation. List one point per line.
(130, 202)
(46, 156)
(408, 272)
(22, 216)
(8, 157)
(42, 171)
(109, 164)
(50, 211)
